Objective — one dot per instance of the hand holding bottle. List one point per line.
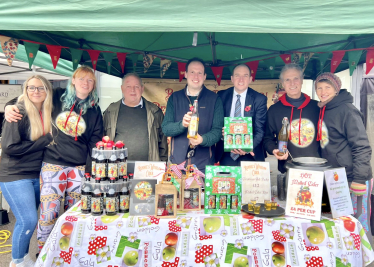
(186, 119)
(197, 141)
(283, 157)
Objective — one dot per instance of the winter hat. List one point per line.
(332, 78)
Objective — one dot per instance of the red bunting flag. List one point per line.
(337, 57)
(253, 65)
(94, 55)
(181, 70)
(369, 60)
(54, 52)
(286, 58)
(122, 60)
(217, 71)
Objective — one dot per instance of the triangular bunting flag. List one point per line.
(217, 71)
(134, 58)
(296, 57)
(337, 57)
(147, 61)
(94, 55)
(322, 59)
(353, 58)
(181, 70)
(307, 57)
(286, 58)
(55, 52)
(253, 65)
(108, 56)
(270, 63)
(231, 68)
(76, 55)
(9, 46)
(369, 60)
(31, 51)
(122, 60)
(164, 66)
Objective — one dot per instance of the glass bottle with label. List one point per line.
(283, 138)
(100, 165)
(94, 156)
(122, 165)
(194, 122)
(113, 165)
(97, 199)
(111, 201)
(124, 198)
(86, 195)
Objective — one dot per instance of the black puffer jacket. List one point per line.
(344, 141)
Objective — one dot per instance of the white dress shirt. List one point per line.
(242, 102)
(140, 103)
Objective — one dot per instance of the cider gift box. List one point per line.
(238, 134)
(223, 190)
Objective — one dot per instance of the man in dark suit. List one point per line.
(242, 101)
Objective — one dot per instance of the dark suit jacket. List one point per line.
(258, 111)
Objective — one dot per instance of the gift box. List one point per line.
(191, 190)
(238, 134)
(223, 190)
(166, 200)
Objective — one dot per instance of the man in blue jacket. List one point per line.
(242, 101)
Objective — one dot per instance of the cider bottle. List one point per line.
(283, 138)
(113, 165)
(194, 122)
(97, 199)
(86, 195)
(101, 170)
(122, 166)
(111, 200)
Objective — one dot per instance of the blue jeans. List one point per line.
(23, 197)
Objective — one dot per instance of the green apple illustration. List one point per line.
(241, 262)
(168, 253)
(64, 243)
(279, 260)
(315, 235)
(131, 258)
(211, 224)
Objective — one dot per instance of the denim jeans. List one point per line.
(23, 197)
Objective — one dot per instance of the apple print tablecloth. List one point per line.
(196, 239)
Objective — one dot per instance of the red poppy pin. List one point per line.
(247, 108)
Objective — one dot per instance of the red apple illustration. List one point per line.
(171, 239)
(336, 176)
(349, 225)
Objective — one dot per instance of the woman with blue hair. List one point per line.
(77, 125)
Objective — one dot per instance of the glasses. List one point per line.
(33, 88)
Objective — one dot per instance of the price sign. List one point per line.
(255, 181)
(149, 170)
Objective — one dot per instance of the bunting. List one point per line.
(134, 59)
(31, 51)
(369, 60)
(337, 57)
(55, 53)
(353, 59)
(108, 56)
(164, 66)
(76, 55)
(181, 70)
(296, 57)
(147, 61)
(253, 65)
(217, 71)
(286, 58)
(270, 63)
(322, 60)
(94, 55)
(9, 46)
(122, 60)
(307, 57)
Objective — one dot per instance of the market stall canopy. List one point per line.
(222, 33)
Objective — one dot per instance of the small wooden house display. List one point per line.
(223, 190)
(191, 189)
(166, 198)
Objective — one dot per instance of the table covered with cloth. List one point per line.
(197, 239)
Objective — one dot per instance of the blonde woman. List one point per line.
(23, 146)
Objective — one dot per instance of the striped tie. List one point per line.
(237, 113)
